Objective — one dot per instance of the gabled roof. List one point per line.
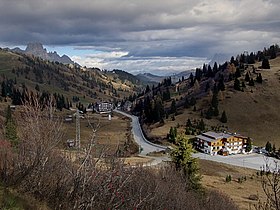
(212, 136)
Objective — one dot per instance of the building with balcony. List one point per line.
(220, 143)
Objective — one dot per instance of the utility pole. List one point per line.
(78, 130)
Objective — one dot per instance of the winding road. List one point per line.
(252, 161)
(145, 147)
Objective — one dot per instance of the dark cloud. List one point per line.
(174, 28)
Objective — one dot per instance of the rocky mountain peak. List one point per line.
(37, 49)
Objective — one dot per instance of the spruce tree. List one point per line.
(251, 82)
(236, 84)
(248, 145)
(182, 157)
(173, 108)
(224, 117)
(268, 146)
(265, 64)
(259, 78)
(10, 128)
(247, 77)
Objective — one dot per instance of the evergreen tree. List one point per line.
(259, 78)
(215, 68)
(198, 74)
(251, 82)
(221, 84)
(189, 123)
(3, 89)
(224, 117)
(237, 73)
(10, 128)
(268, 146)
(201, 125)
(236, 84)
(173, 134)
(209, 113)
(204, 69)
(210, 72)
(191, 78)
(248, 145)
(265, 64)
(182, 157)
(187, 103)
(192, 101)
(147, 89)
(273, 148)
(247, 77)
(159, 110)
(215, 111)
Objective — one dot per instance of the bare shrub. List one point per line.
(271, 187)
(39, 168)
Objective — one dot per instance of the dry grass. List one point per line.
(110, 134)
(214, 175)
(253, 113)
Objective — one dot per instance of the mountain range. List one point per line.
(38, 50)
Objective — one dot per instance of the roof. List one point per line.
(205, 138)
(215, 135)
(212, 136)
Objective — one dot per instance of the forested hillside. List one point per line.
(22, 75)
(239, 96)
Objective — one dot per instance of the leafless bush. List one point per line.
(37, 167)
(271, 187)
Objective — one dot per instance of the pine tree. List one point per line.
(224, 117)
(172, 134)
(10, 128)
(247, 77)
(237, 73)
(236, 84)
(173, 108)
(248, 145)
(251, 82)
(273, 148)
(265, 64)
(182, 157)
(268, 146)
(259, 78)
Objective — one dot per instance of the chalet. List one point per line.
(104, 107)
(220, 143)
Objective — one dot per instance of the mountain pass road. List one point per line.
(145, 146)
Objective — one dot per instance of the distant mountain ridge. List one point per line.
(37, 49)
(219, 58)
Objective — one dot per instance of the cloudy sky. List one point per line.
(141, 35)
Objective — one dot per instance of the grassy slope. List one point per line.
(78, 87)
(213, 177)
(255, 114)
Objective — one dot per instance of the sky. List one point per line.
(155, 36)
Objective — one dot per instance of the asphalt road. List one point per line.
(253, 160)
(145, 146)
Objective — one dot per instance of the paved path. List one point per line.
(146, 146)
(253, 161)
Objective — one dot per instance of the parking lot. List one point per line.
(253, 161)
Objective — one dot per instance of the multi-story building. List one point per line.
(104, 107)
(220, 143)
